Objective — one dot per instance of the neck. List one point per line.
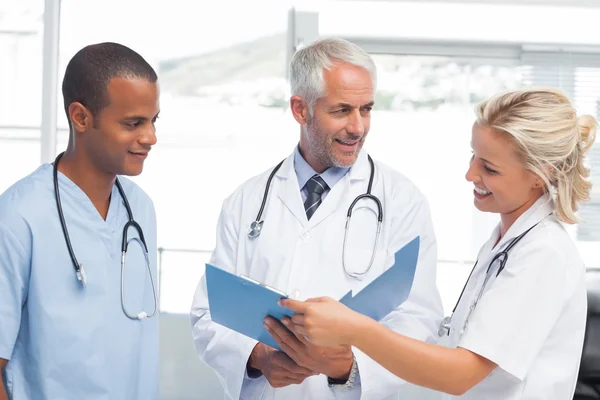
(508, 219)
(96, 184)
(312, 161)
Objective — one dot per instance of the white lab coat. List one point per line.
(531, 318)
(304, 259)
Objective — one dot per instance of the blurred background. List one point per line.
(224, 110)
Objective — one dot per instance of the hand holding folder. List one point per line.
(241, 304)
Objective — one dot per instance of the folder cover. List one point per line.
(241, 304)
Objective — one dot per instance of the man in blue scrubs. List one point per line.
(60, 339)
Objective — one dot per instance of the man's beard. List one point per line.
(322, 149)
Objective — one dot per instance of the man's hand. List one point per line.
(279, 369)
(334, 362)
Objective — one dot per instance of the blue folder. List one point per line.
(241, 304)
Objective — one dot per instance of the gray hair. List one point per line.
(308, 63)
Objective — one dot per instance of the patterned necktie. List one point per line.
(315, 186)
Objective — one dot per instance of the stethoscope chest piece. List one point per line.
(445, 326)
(255, 229)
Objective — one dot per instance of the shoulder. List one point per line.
(25, 203)
(550, 238)
(28, 196)
(549, 249)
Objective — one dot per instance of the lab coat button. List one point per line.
(306, 235)
(295, 294)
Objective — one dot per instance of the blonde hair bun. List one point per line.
(587, 126)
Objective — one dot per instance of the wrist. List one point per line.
(342, 373)
(348, 382)
(255, 360)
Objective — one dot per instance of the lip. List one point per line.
(141, 155)
(480, 196)
(347, 143)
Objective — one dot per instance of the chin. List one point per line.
(345, 161)
(131, 171)
(483, 207)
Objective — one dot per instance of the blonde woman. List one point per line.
(517, 330)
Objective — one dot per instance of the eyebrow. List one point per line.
(139, 117)
(488, 162)
(348, 105)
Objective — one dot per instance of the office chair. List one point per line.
(588, 382)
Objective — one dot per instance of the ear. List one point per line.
(81, 118)
(538, 182)
(299, 109)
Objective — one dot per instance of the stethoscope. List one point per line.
(257, 226)
(80, 272)
(502, 257)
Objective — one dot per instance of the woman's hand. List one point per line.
(323, 321)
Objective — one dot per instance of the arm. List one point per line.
(3, 395)
(14, 279)
(225, 351)
(507, 330)
(531, 293)
(328, 322)
(452, 371)
(242, 364)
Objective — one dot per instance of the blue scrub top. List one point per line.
(64, 341)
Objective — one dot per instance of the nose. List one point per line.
(472, 175)
(148, 137)
(356, 124)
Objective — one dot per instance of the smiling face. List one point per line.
(123, 132)
(335, 132)
(502, 183)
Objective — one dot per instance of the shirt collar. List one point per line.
(304, 171)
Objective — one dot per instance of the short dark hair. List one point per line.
(91, 69)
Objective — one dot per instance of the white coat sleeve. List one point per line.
(223, 349)
(419, 316)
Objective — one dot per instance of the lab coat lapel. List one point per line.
(290, 191)
(338, 196)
